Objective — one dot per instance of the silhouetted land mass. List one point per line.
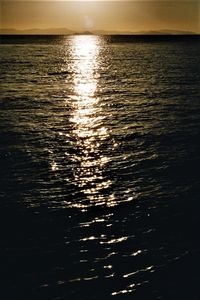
(66, 31)
(38, 31)
(84, 33)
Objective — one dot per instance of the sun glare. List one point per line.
(87, 120)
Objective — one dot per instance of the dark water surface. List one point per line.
(99, 168)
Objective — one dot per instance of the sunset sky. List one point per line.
(120, 16)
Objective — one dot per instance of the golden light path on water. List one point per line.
(87, 119)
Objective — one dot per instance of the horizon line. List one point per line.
(55, 31)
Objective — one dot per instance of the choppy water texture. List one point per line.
(100, 160)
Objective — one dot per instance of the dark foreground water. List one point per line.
(100, 168)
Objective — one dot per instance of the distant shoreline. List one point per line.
(66, 31)
(197, 35)
(100, 34)
(117, 35)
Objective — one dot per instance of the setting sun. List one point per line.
(66, 17)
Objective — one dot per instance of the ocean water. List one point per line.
(99, 168)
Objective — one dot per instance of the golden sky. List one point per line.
(120, 16)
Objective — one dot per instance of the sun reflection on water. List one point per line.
(87, 122)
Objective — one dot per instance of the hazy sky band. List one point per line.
(125, 16)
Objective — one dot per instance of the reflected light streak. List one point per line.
(87, 121)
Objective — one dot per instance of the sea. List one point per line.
(100, 167)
